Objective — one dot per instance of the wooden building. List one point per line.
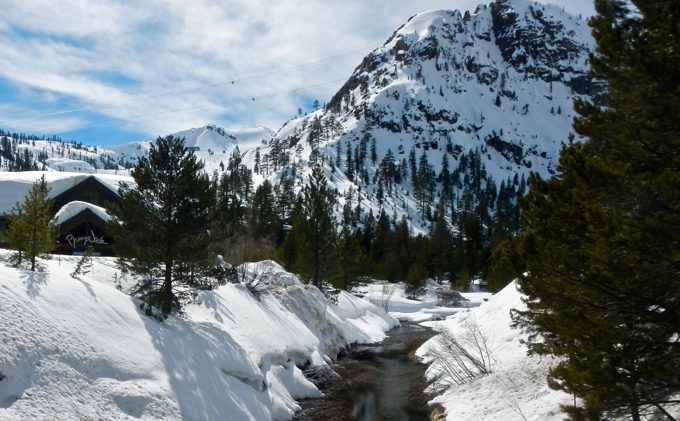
(79, 206)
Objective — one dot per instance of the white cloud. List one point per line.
(159, 66)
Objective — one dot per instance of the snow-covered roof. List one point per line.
(15, 185)
(72, 209)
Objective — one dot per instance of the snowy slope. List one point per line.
(81, 349)
(517, 388)
(56, 155)
(500, 83)
(211, 144)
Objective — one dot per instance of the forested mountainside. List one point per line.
(453, 109)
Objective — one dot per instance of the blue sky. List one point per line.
(105, 72)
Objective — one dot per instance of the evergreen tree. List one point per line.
(381, 246)
(424, 183)
(318, 228)
(234, 193)
(84, 265)
(160, 226)
(314, 139)
(350, 260)
(264, 222)
(338, 154)
(441, 245)
(31, 231)
(374, 151)
(290, 251)
(349, 163)
(415, 279)
(402, 255)
(285, 198)
(473, 242)
(600, 247)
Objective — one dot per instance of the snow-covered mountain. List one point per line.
(211, 143)
(487, 96)
(449, 108)
(502, 80)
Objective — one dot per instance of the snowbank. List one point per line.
(81, 349)
(517, 387)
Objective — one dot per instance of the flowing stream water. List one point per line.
(376, 382)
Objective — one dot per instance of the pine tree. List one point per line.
(161, 225)
(290, 251)
(600, 247)
(84, 265)
(415, 279)
(318, 228)
(441, 245)
(349, 259)
(264, 222)
(424, 182)
(31, 231)
(374, 151)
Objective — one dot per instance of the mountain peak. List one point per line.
(499, 83)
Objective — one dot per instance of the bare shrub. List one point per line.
(383, 300)
(243, 248)
(251, 276)
(462, 357)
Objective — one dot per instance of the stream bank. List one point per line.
(384, 381)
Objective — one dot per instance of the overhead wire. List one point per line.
(224, 82)
(145, 117)
(144, 96)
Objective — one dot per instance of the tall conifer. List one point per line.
(161, 225)
(601, 245)
(31, 232)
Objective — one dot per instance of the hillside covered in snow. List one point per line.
(449, 110)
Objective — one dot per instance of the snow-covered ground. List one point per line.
(81, 349)
(516, 389)
(431, 303)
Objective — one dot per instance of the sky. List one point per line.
(108, 72)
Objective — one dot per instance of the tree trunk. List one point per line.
(635, 413)
(33, 248)
(317, 263)
(166, 292)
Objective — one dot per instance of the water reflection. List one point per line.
(381, 382)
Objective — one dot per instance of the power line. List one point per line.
(150, 116)
(146, 96)
(229, 81)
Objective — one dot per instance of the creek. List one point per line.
(374, 382)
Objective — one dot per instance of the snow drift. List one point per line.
(82, 349)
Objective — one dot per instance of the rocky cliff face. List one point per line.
(495, 86)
